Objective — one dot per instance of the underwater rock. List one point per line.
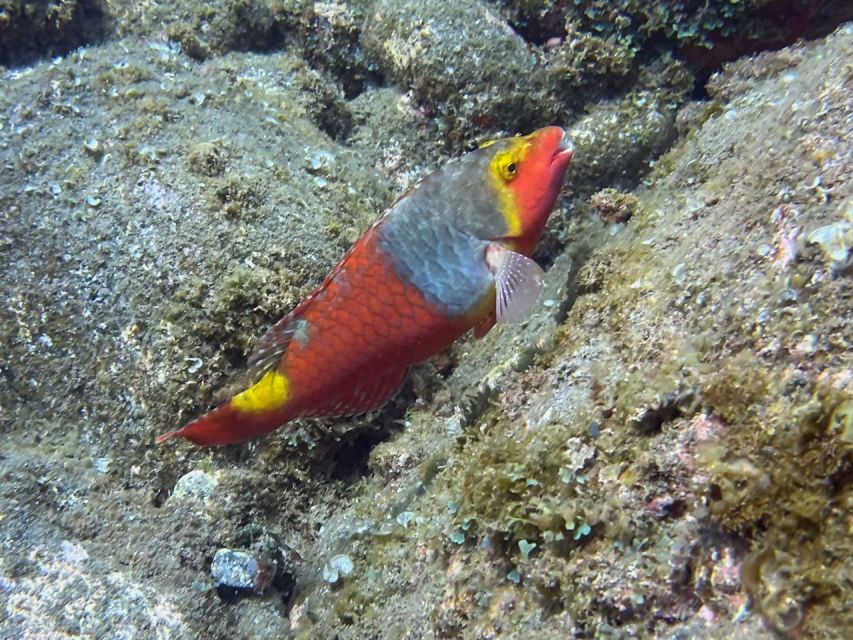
(197, 485)
(399, 137)
(464, 64)
(705, 33)
(202, 29)
(236, 572)
(329, 34)
(618, 139)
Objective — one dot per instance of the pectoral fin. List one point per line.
(518, 280)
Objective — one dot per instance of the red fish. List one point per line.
(449, 256)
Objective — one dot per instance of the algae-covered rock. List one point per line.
(463, 62)
(329, 34)
(704, 33)
(144, 270)
(527, 483)
(399, 139)
(202, 29)
(618, 139)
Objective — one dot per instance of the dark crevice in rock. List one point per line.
(782, 23)
(650, 419)
(539, 26)
(704, 35)
(160, 497)
(350, 458)
(347, 460)
(31, 30)
(334, 120)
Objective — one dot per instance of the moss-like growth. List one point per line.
(186, 36)
(202, 29)
(122, 75)
(525, 488)
(587, 63)
(705, 33)
(780, 474)
(208, 158)
(236, 196)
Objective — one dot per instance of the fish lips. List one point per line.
(562, 154)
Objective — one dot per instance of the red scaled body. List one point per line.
(369, 326)
(413, 283)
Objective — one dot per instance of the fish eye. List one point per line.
(509, 170)
(505, 163)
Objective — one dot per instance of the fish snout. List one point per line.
(564, 149)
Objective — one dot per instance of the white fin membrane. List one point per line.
(518, 280)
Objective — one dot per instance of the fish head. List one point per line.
(527, 173)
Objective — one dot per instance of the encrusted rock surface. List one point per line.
(662, 449)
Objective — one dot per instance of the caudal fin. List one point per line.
(256, 411)
(227, 425)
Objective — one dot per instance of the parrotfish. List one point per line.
(451, 255)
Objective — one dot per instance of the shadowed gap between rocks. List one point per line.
(32, 30)
(782, 22)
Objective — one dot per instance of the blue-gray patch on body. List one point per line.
(446, 264)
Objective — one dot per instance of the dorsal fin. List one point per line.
(272, 345)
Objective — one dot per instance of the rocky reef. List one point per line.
(665, 449)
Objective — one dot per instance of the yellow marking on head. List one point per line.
(504, 168)
(489, 143)
(267, 394)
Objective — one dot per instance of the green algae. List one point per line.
(236, 196)
(522, 489)
(637, 25)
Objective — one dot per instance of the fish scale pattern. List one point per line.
(411, 285)
(365, 327)
(436, 254)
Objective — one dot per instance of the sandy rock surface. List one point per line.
(663, 449)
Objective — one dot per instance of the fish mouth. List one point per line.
(563, 152)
